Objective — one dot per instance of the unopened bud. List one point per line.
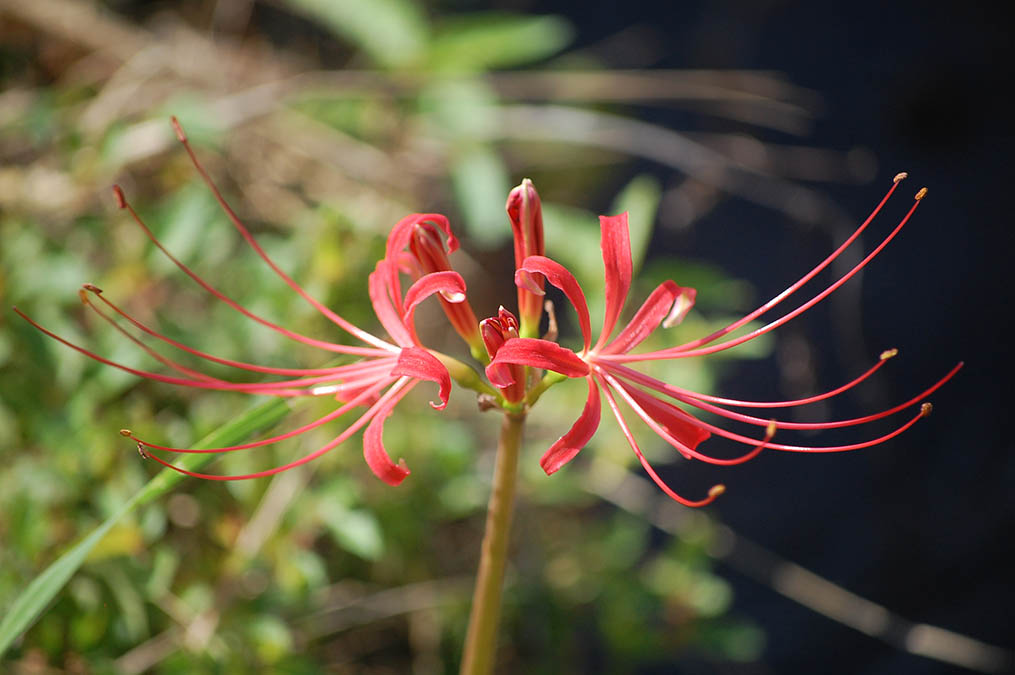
(526, 215)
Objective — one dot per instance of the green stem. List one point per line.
(481, 639)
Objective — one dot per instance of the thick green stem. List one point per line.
(481, 639)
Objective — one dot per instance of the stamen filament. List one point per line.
(396, 392)
(245, 233)
(713, 492)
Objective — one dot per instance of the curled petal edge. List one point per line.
(559, 276)
(571, 443)
(418, 363)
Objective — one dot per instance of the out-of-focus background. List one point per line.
(747, 139)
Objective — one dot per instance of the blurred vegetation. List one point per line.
(324, 123)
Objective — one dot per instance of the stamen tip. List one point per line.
(921, 194)
(126, 432)
(92, 287)
(770, 430)
(121, 201)
(141, 451)
(925, 409)
(889, 353)
(178, 129)
(899, 177)
(716, 490)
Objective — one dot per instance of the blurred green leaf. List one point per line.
(392, 32)
(357, 531)
(30, 603)
(481, 183)
(491, 40)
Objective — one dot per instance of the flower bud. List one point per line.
(526, 218)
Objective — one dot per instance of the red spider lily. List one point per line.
(387, 371)
(603, 365)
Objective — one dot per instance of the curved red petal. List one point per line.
(373, 448)
(449, 284)
(536, 353)
(680, 424)
(379, 287)
(400, 234)
(419, 363)
(615, 241)
(652, 312)
(568, 445)
(559, 276)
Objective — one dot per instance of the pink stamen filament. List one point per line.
(245, 233)
(714, 492)
(251, 388)
(684, 449)
(691, 398)
(164, 360)
(800, 283)
(624, 371)
(210, 357)
(395, 393)
(683, 351)
(335, 414)
(329, 346)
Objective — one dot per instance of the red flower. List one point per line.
(604, 365)
(386, 372)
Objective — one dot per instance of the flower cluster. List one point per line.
(416, 266)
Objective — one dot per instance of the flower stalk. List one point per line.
(481, 638)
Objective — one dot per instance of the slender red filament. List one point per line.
(684, 351)
(714, 492)
(394, 394)
(322, 344)
(245, 233)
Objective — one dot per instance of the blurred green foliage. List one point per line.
(323, 566)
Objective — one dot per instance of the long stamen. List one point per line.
(683, 448)
(164, 360)
(397, 391)
(251, 388)
(669, 388)
(245, 233)
(803, 280)
(713, 492)
(692, 399)
(683, 351)
(210, 357)
(925, 409)
(335, 414)
(329, 346)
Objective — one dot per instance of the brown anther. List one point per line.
(141, 451)
(84, 297)
(126, 432)
(121, 201)
(178, 129)
(486, 402)
(921, 194)
(899, 177)
(889, 353)
(92, 287)
(925, 409)
(551, 328)
(716, 490)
